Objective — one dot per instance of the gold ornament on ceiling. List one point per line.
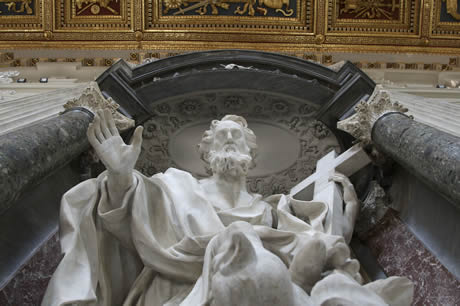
(452, 8)
(12, 6)
(326, 26)
(371, 9)
(94, 6)
(173, 4)
(251, 7)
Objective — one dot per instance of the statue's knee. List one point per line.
(308, 264)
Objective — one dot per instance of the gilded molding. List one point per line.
(144, 56)
(318, 25)
(367, 113)
(123, 41)
(320, 18)
(192, 42)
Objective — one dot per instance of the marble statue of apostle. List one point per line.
(174, 240)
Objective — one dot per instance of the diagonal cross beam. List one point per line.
(317, 186)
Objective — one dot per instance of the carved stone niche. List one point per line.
(291, 99)
(335, 91)
(289, 137)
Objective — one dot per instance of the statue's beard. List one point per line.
(232, 163)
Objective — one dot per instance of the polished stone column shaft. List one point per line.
(30, 154)
(430, 154)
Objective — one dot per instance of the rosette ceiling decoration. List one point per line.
(273, 25)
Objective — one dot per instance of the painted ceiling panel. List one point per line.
(280, 25)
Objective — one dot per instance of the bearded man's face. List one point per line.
(230, 154)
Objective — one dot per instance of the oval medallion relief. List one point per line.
(289, 139)
(278, 149)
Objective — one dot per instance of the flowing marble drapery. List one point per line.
(153, 249)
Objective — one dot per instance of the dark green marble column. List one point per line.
(430, 154)
(30, 154)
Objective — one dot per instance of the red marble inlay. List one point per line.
(397, 250)
(400, 253)
(29, 285)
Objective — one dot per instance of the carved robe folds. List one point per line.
(153, 250)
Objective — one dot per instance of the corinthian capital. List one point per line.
(367, 113)
(92, 99)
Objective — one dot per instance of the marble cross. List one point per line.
(318, 187)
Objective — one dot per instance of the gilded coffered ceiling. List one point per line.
(422, 26)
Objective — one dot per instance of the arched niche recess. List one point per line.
(292, 104)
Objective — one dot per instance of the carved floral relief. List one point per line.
(315, 139)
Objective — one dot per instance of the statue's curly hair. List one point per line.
(204, 147)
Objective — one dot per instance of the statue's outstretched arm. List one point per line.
(351, 209)
(118, 157)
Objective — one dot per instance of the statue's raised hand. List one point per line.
(118, 157)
